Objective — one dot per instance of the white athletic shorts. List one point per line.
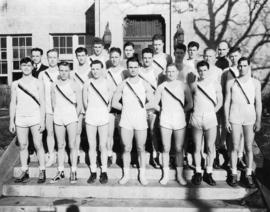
(96, 117)
(134, 122)
(172, 121)
(65, 119)
(27, 121)
(242, 115)
(203, 121)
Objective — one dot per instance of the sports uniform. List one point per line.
(161, 61)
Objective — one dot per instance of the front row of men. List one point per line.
(65, 97)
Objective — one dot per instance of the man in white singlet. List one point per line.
(176, 99)
(243, 108)
(67, 105)
(115, 74)
(192, 50)
(97, 95)
(207, 99)
(99, 52)
(134, 93)
(48, 77)
(129, 52)
(27, 113)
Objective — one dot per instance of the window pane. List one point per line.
(28, 52)
(62, 42)
(81, 40)
(3, 43)
(62, 51)
(28, 41)
(15, 41)
(4, 68)
(69, 41)
(3, 55)
(69, 50)
(16, 65)
(22, 41)
(55, 41)
(3, 80)
(15, 53)
(22, 53)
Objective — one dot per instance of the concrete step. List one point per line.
(133, 189)
(34, 204)
(115, 172)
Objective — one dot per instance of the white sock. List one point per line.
(103, 168)
(248, 171)
(142, 177)
(24, 168)
(93, 168)
(41, 168)
(125, 178)
(240, 154)
(209, 169)
(73, 168)
(198, 169)
(109, 153)
(234, 171)
(60, 168)
(180, 177)
(165, 177)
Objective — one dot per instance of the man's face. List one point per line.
(210, 56)
(115, 58)
(147, 59)
(158, 46)
(36, 57)
(172, 73)
(52, 59)
(203, 72)
(133, 68)
(192, 52)
(179, 55)
(64, 72)
(81, 57)
(234, 57)
(98, 48)
(96, 70)
(243, 68)
(27, 68)
(129, 51)
(223, 49)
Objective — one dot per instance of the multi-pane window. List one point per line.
(63, 43)
(87, 42)
(3, 56)
(22, 46)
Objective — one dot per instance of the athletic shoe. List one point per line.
(241, 164)
(103, 179)
(154, 162)
(92, 178)
(232, 180)
(41, 177)
(24, 177)
(248, 181)
(207, 177)
(73, 177)
(197, 178)
(59, 176)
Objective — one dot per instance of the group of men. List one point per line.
(213, 98)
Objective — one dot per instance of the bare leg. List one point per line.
(210, 138)
(50, 139)
(248, 138)
(197, 138)
(71, 130)
(22, 134)
(236, 134)
(79, 132)
(110, 134)
(91, 135)
(103, 139)
(60, 132)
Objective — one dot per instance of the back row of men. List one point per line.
(133, 98)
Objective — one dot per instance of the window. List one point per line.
(3, 56)
(63, 43)
(86, 41)
(22, 46)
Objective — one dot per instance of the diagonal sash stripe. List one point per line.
(172, 95)
(29, 94)
(140, 101)
(208, 97)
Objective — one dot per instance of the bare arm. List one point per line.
(117, 96)
(53, 96)
(149, 96)
(12, 107)
(188, 98)
(85, 95)
(157, 98)
(219, 97)
(42, 105)
(258, 106)
(78, 93)
(227, 104)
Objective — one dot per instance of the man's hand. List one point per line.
(257, 126)
(191, 78)
(228, 127)
(12, 127)
(41, 127)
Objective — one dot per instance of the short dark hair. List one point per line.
(180, 46)
(115, 49)
(202, 63)
(26, 60)
(64, 63)
(133, 59)
(234, 49)
(193, 44)
(81, 49)
(244, 59)
(147, 50)
(37, 50)
(98, 40)
(53, 50)
(94, 62)
(129, 44)
(158, 37)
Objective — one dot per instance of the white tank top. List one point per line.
(53, 73)
(169, 104)
(62, 105)
(202, 104)
(238, 98)
(149, 76)
(130, 101)
(160, 60)
(94, 100)
(81, 77)
(115, 75)
(26, 105)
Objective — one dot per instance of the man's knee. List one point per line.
(141, 148)
(23, 146)
(127, 147)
